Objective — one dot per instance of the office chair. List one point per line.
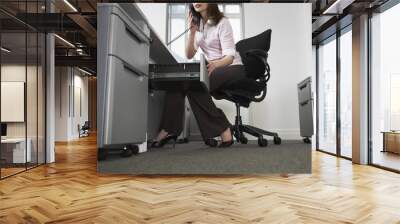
(84, 129)
(252, 88)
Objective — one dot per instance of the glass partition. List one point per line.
(14, 145)
(22, 88)
(31, 99)
(41, 97)
(327, 96)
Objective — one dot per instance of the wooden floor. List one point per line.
(387, 159)
(70, 191)
(5, 172)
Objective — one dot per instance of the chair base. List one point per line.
(239, 129)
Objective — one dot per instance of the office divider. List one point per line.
(22, 64)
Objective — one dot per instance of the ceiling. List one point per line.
(76, 23)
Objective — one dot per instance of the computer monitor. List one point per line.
(3, 129)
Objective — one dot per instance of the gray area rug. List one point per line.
(199, 159)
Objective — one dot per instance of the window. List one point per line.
(394, 101)
(327, 96)
(335, 94)
(346, 75)
(177, 23)
(385, 85)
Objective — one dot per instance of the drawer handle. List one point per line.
(303, 86)
(139, 36)
(134, 35)
(304, 103)
(133, 70)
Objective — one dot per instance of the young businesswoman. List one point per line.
(212, 32)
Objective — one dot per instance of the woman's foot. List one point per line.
(162, 139)
(227, 138)
(161, 135)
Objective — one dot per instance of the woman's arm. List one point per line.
(226, 60)
(190, 50)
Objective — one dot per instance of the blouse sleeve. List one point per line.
(226, 37)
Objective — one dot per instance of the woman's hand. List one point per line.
(225, 61)
(211, 66)
(192, 26)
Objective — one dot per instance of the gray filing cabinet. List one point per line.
(122, 65)
(305, 109)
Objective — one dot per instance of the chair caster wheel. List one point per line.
(277, 140)
(262, 142)
(243, 140)
(129, 150)
(102, 154)
(306, 140)
(211, 142)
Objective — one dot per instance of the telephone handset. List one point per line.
(195, 20)
(195, 16)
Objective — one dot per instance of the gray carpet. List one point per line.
(197, 158)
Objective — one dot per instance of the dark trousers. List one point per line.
(210, 119)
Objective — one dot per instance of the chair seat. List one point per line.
(241, 91)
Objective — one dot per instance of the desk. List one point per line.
(391, 141)
(128, 110)
(13, 150)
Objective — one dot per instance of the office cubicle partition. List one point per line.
(22, 77)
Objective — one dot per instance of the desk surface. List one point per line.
(13, 140)
(391, 132)
(159, 52)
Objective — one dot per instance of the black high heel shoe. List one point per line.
(211, 142)
(229, 143)
(226, 144)
(162, 142)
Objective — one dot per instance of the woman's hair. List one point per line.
(213, 13)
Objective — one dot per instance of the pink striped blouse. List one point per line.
(216, 41)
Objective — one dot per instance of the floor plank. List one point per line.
(71, 191)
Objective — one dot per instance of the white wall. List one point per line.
(80, 83)
(19, 73)
(61, 103)
(314, 92)
(290, 58)
(68, 80)
(33, 126)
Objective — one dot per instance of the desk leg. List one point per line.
(384, 143)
